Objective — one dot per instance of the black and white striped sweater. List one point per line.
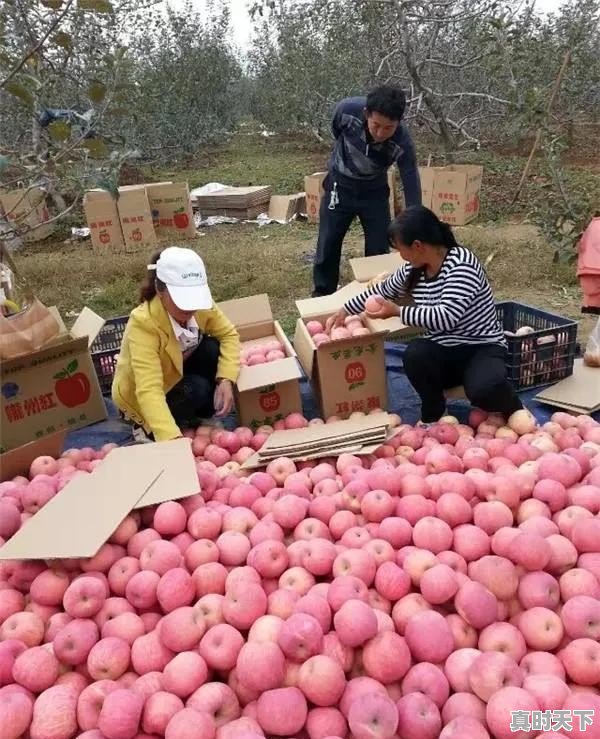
(455, 307)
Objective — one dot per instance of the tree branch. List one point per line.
(55, 23)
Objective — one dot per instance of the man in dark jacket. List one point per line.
(369, 138)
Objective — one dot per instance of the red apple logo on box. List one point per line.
(72, 388)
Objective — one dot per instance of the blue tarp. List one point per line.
(402, 400)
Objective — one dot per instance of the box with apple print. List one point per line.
(346, 368)
(52, 389)
(267, 390)
(136, 218)
(102, 216)
(171, 208)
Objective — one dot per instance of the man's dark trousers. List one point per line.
(370, 202)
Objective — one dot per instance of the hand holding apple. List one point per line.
(336, 320)
(378, 307)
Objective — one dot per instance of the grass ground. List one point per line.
(244, 259)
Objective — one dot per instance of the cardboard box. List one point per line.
(171, 208)
(27, 211)
(347, 375)
(102, 217)
(84, 514)
(18, 461)
(269, 392)
(452, 192)
(285, 207)
(52, 389)
(313, 187)
(136, 218)
(365, 269)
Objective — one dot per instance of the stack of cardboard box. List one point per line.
(243, 203)
(139, 217)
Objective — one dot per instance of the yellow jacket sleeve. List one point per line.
(144, 350)
(219, 326)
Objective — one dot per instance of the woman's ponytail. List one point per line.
(150, 284)
(448, 238)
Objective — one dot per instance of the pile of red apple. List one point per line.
(424, 592)
(321, 334)
(262, 353)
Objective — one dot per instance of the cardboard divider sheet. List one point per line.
(580, 391)
(351, 436)
(179, 479)
(77, 521)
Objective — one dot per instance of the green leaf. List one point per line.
(96, 147)
(63, 39)
(60, 375)
(52, 4)
(72, 366)
(59, 130)
(111, 187)
(96, 91)
(19, 91)
(99, 6)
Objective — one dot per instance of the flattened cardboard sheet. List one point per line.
(79, 519)
(366, 268)
(179, 479)
(351, 436)
(580, 390)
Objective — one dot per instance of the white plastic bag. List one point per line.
(592, 350)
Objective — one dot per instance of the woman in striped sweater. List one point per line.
(443, 289)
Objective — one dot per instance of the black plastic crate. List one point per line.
(540, 358)
(105, 351)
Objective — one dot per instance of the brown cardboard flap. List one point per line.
(179, 479)
(366, 268)
(244, 312)
(305, 348)
(580, 390)
(388, 326)
(17, 461)
(54, 310)
(281, 336)
(271, 373)
(88, 324)
(42, 355)
(284, 207)
(328, 304)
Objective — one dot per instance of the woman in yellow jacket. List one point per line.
(180, 355)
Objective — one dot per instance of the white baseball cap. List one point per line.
(184, 274)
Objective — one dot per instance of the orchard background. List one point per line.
(164, 94)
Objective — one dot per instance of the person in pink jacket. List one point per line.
(588, 272)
